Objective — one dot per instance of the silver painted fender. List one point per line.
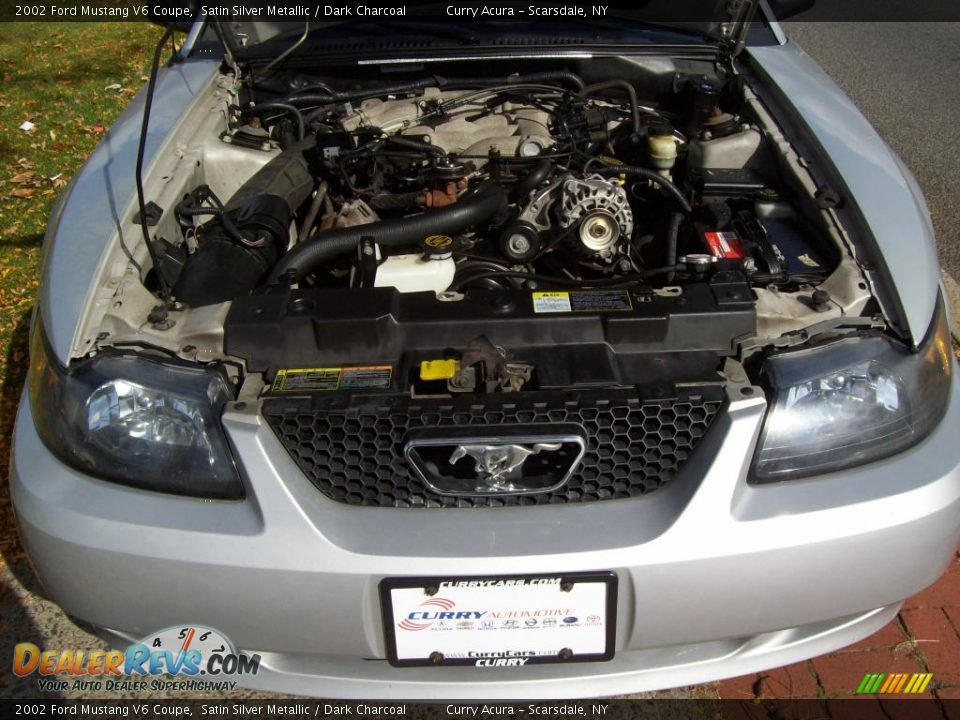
(884, 190)
(102, 196)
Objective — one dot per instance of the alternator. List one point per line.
(601, 208)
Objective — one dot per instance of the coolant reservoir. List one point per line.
(412, 273)
(735, 150)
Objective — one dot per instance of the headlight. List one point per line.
(851, 402)
(135, 420)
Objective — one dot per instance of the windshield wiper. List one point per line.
(441, 31)
(427, 29)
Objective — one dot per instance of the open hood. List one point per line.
(721, 21)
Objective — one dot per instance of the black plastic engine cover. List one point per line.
(576, 339)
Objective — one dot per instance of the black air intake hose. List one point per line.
(471, 209)
(246, 237)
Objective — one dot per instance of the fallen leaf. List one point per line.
(22, 192)
(23, 177)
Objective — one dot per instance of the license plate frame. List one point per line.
(607, 579)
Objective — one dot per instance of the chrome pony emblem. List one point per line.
(516, 460)
(497, 465)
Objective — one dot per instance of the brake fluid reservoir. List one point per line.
(414, 273)
(662, 147)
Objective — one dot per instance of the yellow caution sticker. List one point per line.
(551, 302)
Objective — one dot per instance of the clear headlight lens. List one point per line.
(851, 402)
(136, 421)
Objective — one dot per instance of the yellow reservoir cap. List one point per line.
(438, 369)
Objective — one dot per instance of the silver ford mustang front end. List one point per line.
(506, 361)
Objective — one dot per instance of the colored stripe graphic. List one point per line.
(890, 681)
(866, 683)
(870, 683)
(894, 683)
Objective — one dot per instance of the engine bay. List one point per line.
(541, 181)
(572, 227)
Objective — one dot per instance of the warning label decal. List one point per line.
(582, 301)
(360, 377)
(371, 377)
(600, 300)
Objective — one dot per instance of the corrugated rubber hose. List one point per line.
(471, 209)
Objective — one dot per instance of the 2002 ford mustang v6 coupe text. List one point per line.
(439, 359)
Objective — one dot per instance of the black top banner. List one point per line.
(184, 12)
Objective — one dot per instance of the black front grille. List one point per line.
(351, 447)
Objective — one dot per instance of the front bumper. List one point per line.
(717, 578)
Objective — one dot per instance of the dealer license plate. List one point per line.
(491, 622)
